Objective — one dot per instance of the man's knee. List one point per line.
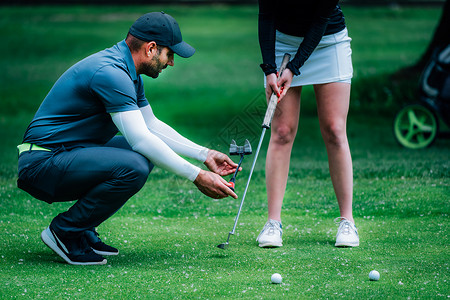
(134, 170)
(139, 169)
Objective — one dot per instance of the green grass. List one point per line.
(168, 232)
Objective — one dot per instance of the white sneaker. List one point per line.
(347, 235)
(271, 234)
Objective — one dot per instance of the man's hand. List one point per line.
(212, 185)
(220, 163)
(278, 86)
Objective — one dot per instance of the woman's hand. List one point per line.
(279, 86)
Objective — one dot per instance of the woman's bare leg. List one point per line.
(283, 131)
(332, 105)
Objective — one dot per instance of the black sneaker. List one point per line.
(73, 251)
(94, 241)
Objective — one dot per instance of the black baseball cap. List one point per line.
(162, 29)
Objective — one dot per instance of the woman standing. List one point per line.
(315, 34)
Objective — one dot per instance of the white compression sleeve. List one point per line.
(176, 141)
(132, 126)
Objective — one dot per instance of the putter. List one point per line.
(239, 150)
(272, 105)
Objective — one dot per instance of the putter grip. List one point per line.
(273, 98)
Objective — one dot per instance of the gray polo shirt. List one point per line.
(76, 110)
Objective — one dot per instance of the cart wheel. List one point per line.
(415, 126)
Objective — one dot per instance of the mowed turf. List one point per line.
(167, 233)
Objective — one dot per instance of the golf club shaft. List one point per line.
(266, 124)
(233, 179)
(237, 169)
(248, 181)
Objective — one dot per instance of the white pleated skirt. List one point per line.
(331, 61)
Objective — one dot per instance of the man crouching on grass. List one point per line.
(70, 150)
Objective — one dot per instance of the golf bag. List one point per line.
(435, 84)
(417, 125)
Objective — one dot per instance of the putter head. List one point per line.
(247, 148)
(240, 150)
(223, 246)
(233, 148)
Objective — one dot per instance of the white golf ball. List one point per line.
(276, 278)
(374, 275)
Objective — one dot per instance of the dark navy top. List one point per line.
(76, 110)
(310, 19)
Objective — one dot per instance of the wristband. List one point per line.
(268, 68)
(293, 69)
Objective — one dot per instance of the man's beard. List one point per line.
(152, 69)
